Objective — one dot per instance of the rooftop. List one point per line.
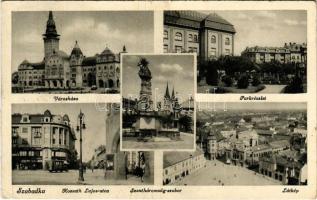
(197, 20)
(171, 157)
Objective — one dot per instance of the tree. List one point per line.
(227, 80)
(212, 72)
(256, 81)
(185, 122)
(15, 77)
(243, 82)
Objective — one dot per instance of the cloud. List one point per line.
(265, 14)
(171, 69)
(88, 28)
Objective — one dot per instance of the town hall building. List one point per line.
(58, 70)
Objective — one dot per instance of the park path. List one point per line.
(273, 89)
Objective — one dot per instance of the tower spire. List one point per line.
(173, 94)
(50, 27)
(167, 93)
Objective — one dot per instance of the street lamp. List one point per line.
(80, 127)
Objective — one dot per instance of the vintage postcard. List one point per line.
(158, 100)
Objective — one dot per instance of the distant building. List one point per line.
(210, 36)
(289, 171)
(59, 70)
(290, 53)
(177, 165)
(39, 139)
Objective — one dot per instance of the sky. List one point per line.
(95, 133)
(177, 71)
(94, 30)
(252, 106)
(266, 28)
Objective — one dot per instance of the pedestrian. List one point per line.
(142, 170)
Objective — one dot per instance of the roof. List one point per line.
(107, 51)
(279, 143)
(89, 61)
(171, 157)
(76, 50)
(197, 20)
(37, 65)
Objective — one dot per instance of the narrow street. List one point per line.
(218, 173)
(272, 89)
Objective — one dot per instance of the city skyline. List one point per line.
(252, 27)
(94, 31)
(267, 106)
(177, 71)
(94, 128)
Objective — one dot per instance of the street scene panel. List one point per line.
(158, 102)
(93, 41)
(69, 144)
(243, 144)
(263, 51)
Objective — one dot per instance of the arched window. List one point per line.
(195, 38)
(178, 36)
(190, 38)
(166, 34)
(213, 39)
(227, 41)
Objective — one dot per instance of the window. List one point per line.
(178, 36)
(227, 41)
(190, 38)
(227, 52)
(195, 38)
(14, 141)
(25, 119)
(213, 52)
(24, 130)
(192, 49)
(213, 39)
(178, 49)
(23, 153)
(166, 172)
(165, 34)
(15, 131)
(165, 48)
(36, 135)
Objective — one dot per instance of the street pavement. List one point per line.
(273, 89)
(41, 177)
(218, 173)
(186, 142)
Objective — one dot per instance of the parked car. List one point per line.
(58, 166)
(94, 87)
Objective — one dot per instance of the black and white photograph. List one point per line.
(75, 52)
(243, 144)
(74, 144)
(158, 102)
(262, 51)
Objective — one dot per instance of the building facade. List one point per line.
(58, 70)
(290, 53)
(210, 36)
(38, 139)
(180, 164)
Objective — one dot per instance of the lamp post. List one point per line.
(80, 127)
